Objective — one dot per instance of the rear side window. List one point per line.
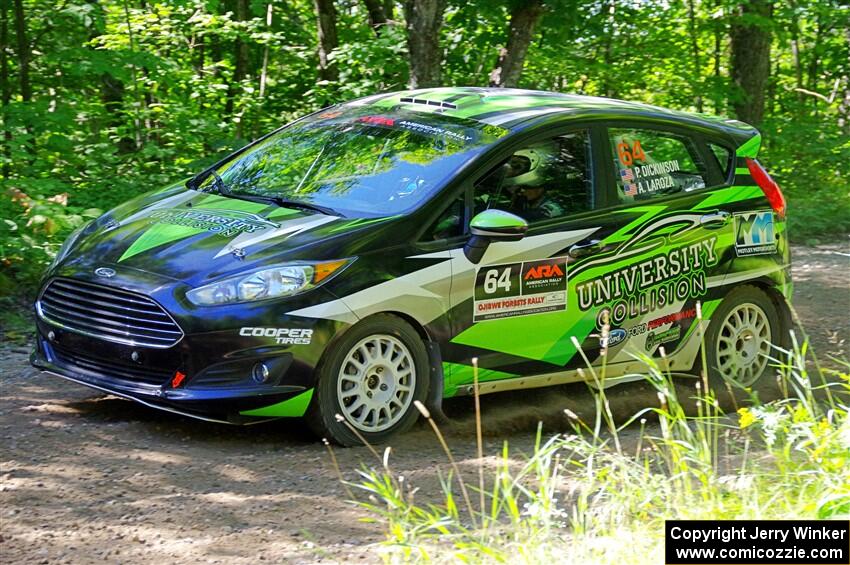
(723, 156)
(652, 164)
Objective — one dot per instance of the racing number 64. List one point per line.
(493, 280)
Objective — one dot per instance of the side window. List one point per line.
(650, 164)
(544, 180)
(448, 224)
(724, 158)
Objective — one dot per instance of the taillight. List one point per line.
(768, 186)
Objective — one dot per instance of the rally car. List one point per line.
(358, 259)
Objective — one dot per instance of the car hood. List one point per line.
(196, 237)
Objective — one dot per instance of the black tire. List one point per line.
(737, 361)
(387, 335)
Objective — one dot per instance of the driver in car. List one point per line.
(529, 172)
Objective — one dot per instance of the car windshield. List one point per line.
(357, 162)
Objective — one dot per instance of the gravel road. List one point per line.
(89, 478)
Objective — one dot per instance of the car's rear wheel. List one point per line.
(740, 337)
(371, 377)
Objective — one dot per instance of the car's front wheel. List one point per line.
(370, 377)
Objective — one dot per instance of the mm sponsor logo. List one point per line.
(282, 336)
(615, 337)
(657, 338)
(754, 233)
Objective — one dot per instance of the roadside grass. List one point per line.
(598, 495)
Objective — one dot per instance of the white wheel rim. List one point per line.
(376, 382)
(743, 344)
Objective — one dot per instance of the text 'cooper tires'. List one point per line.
(371, 377)
(740, 337)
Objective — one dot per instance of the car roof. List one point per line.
(517, 109)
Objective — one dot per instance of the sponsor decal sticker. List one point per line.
(615, 337)
(282, 336)
(754, 233)
(222, 222)
(520, 289)
(671, 318)
(657, 338)
(635, 290)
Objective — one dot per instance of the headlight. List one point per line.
(274, 282)
(66, 246)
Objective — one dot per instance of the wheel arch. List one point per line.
(786, 321)
(436, 378)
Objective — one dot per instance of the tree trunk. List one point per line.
(240, 64)
(377, 17)
(610, 29)
(524, 18)
(424, 20)
(795, 53)
(265, 69)
(5, 86)
(326, 20)
(718, 25)
(844, 105)
(751, 58)
(813, 63)
(23, 52)
(697, 72)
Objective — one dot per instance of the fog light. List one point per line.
(51, 335)
(260, 373)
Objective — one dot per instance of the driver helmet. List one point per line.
(531, 167)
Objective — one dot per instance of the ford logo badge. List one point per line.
(615, 336)
(105, 272)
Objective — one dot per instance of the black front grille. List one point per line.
(107, 313)
(108, 368)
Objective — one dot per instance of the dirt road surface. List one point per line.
(89, 478)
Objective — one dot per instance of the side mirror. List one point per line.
(492, 225)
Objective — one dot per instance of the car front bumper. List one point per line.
(217, 371)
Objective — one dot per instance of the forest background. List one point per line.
(101, 100)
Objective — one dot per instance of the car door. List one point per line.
(513, 310)
(668, 253)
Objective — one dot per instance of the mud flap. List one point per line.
(434, 400)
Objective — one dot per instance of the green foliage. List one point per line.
(585, 498)
(129, 96)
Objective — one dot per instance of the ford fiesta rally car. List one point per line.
(359, 258)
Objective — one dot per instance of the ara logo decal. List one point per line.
(754, 233)
(222, 222)
(519, 289)
(543, 271)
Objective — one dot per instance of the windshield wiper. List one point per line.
(287, 203)
(221, 187)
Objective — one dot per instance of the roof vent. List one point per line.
(437, 103)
